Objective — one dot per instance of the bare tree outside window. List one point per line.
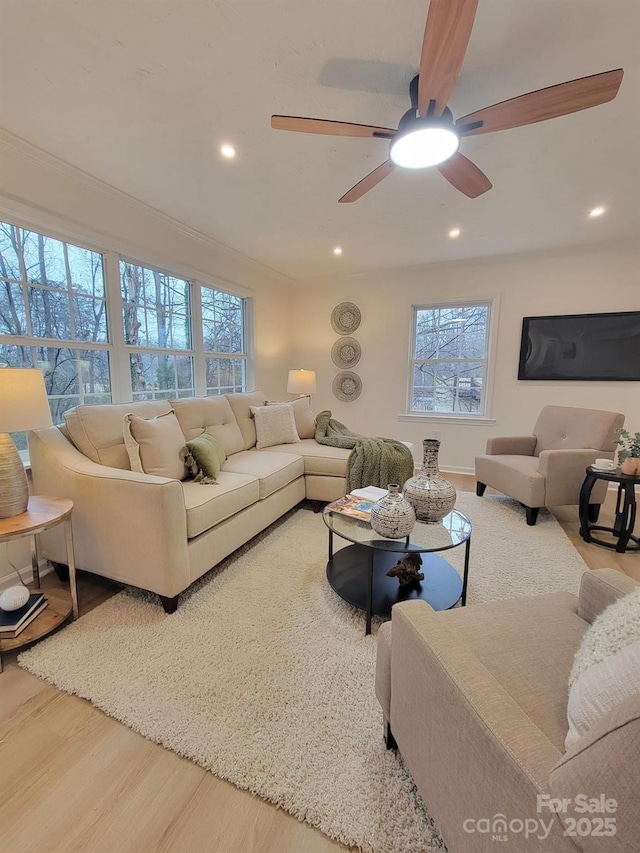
(157, 327)
(448, 369)
(53, 316)
(223, 324)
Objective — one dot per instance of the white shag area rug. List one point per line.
(264, 676)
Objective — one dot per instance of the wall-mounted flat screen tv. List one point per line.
(595, 347)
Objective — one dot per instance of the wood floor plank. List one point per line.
(78, 781)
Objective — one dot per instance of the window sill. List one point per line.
(464, 420)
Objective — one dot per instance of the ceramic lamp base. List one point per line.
(14, 489)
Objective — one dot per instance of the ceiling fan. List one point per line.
(427, 135)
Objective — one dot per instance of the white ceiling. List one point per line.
(141, 93)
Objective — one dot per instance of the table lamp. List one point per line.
(23, 405)
(302, 382)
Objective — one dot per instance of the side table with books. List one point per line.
(43, 612)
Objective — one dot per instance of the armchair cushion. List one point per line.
(601, 587)
(517, 476)
(567, 427)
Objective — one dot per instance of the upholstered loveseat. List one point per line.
(161, 534)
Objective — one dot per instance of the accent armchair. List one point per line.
(547, 468)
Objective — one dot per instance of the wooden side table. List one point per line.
(625, 519)
(43, 512)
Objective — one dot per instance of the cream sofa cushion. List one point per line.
(304, 417)
(606, 669)
(273, 470)
(155, 445)
(319, 459)
(274, 425)
(97, 430)
(209, 505)
(241, 408)
(196, 414)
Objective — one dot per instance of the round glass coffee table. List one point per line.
(358, 573)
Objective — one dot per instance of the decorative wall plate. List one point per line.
(346, 352)
(347, 386)
(345, 318)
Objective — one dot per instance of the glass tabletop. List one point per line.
(454, 529)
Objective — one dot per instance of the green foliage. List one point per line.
(629, 444)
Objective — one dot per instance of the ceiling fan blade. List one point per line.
(329, 128)
(544, 104)
(367, 183)
(446, 36)
(465, 176)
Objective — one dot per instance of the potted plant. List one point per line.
(629, 453)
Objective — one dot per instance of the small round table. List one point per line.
(625, 519)
(358, 573)
(43, 512)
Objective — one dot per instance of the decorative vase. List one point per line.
(631, 466)
(392, 516)
(431, 495)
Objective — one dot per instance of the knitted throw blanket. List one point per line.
(373, 461)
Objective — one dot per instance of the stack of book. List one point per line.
(13, 622)
(358, 504)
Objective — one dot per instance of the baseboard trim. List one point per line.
(27, 574)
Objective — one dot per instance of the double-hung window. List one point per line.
(449, 359)
(224, 341)
(176, 337)
(156, 308)
(53, 316)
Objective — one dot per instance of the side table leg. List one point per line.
(68, 534)
(627, 518)
(35, 568)
(465, 576)
(583, 511)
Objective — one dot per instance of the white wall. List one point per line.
(604, 278)
(42, 191)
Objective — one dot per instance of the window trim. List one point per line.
(483, 417)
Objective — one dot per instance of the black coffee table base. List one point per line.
(357, 574)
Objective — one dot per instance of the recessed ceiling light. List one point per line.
(228, 151)
(455, 232)
(337, 250)
(597, 211)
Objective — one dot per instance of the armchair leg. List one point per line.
(593, 512)
(389, 740)
(62, 571)
(480, 487)
(532, 515)
(170, 604)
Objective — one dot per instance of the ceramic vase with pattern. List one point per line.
(430, 494)
(392, 516)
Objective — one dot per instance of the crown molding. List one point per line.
(53, 163)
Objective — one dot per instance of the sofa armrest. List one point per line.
(459, 730)
(601, 587)
(512, 445)
(127, 526)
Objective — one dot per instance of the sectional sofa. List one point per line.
(162, 534)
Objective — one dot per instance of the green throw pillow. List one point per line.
(204, 456)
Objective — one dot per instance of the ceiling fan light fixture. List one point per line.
(420, 143)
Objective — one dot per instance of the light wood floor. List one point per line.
(73, 779)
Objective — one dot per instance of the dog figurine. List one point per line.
(407, 569)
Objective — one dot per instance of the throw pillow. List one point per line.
(204, 456)
(155, 445)
(274, 425)
(304, 418)
(606, 668)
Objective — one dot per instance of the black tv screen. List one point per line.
(598, 347)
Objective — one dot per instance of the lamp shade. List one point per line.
(23, 400)
(301, 382)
